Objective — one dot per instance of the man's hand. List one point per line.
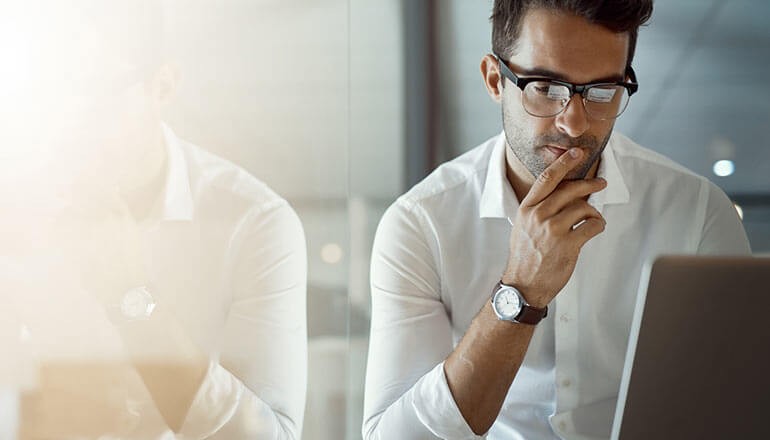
(544, 243)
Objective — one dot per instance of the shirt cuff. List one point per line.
(214, 405)
(437, 410)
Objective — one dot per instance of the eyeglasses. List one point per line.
(546, 97)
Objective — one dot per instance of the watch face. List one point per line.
(507, 303)
(137, 304)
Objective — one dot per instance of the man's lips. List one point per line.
(555, 150)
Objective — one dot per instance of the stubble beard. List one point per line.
(530, 151)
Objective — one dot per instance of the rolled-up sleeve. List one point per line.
(257, 390)
(407, 396)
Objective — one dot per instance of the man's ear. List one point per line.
(163, 84)
(493, 81)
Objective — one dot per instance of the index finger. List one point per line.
(550, 178)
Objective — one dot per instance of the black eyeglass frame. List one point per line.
(521, 83)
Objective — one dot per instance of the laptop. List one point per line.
(698, 361)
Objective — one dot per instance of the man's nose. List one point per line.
(573, 121)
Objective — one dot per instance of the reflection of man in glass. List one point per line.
(503, 285)
(174, 290)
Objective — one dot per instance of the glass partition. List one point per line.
(174, 219)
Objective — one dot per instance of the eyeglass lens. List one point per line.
(546, 99)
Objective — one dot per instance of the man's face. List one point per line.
(86, 109)
(111, 133)
(73, 99)
(569, 48)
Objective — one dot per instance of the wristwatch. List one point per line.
(510, 305)
(136, 304)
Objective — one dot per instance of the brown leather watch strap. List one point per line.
(531, 315)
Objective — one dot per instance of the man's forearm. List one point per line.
(482, 367)
(173, 388)
(170, 365)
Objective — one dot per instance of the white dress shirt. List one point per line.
(442, 246)
(227, 256)
(254, 263)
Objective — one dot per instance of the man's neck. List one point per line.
(141, 196)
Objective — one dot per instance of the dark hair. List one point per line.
(616, 15)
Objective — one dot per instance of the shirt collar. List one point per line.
(499, 201)
(616, 191)
(177, 201)
(497, 198)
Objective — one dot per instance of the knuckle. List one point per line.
(591, 228)
(538, 215)
(583, 209)
(546, 176)
(550, 227)
(597, 226)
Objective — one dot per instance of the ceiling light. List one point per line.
(724, 168)
(331, 253)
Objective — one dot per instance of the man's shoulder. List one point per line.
(641, 163)
(215, 178)
(460, 175)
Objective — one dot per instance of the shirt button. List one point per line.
(563, 425)
(566, 382)
(564, 318)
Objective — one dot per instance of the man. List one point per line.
(167, 296)
(553, 218)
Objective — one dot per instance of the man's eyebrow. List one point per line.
(539, 71)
